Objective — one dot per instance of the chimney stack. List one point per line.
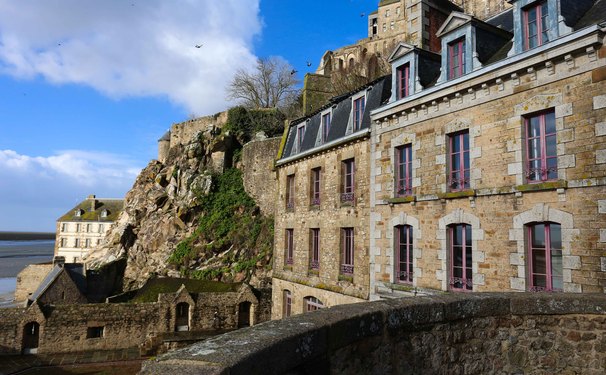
(93, 202)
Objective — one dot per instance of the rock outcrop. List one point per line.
(163, 207)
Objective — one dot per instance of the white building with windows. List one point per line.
(84, 227)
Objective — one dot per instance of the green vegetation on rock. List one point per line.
(245, 123)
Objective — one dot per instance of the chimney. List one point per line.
(93, 202)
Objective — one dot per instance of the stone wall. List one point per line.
(29, 279)
(449, 334)
(183, 133)
(259, 180)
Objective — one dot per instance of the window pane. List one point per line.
(538, 236)
(538, 261)
(534, 148)
(534, 127)
(555, 236)
(550, 145)
(468, 235)
(456, 143)
(550, 123)
(466, 141)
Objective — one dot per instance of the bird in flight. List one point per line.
(292, 72)
(362, 14)
(199, 45)
(308, 63)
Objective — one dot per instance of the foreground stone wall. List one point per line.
(447, 334)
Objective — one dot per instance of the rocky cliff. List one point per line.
(182, 215)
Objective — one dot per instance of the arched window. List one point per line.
(287, 303)
(544, 246)
(312, 304)
(403, 254)
(459, 236)
(31, 337)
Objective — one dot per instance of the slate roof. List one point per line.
(378, 94)
(153, 287)
(75, 272)
(113, 206)
(595, 15)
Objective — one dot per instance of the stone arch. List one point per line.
(31, 337)
(404, 219)
(541, 212)
(459, 216)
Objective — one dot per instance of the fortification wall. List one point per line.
(447, 334)
(260, 182)
(184, 132)
(29, 279)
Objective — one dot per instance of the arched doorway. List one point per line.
(182, 317)
(244, 314)
(31, 338)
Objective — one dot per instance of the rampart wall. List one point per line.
(478, 333)
(257, 163)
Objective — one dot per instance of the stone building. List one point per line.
(84, 227)
(488, 165)
(321, 217)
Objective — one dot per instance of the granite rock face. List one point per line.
(162, 208)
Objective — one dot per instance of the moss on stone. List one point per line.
(457, 194)
(549, 185)
(397, 200)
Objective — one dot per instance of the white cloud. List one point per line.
(35, 191)
(132, 47)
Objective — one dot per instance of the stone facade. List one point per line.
(84, 227)
(499, 203)
(64, 328)
(29, 279)
(258, 158)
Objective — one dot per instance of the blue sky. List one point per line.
(88, 86)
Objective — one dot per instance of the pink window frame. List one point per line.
(467, 279)
(326, 118)
(349, 172)
(290, 247)
(548, 275)
(314, 253)
(403, 182)
(313, 304)
(403, 77)
(404, 247)
(347, 255)
(287, 303)
(540, 21)
(315, 186)
(456, 71)
(290, 192)
(462, 154)
(358, 112)
(543, 159)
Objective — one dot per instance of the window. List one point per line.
(104, 213)
(536, 25)
(384, 27)
(348, 174)
(314, 249)
(312, 304)
(392, 25)
(541, 154)
(545, 257)
(287, 303)
(347, 254)
(325, 126)
(98, 242)
(403, 177)
(460, 257)
(77, 213)
(64, 227)
(87, 243)
(94, 332)
(386, 12)
(456, 58)
(63, 242)
(77, 227)
(77, 242)
(88, 228)
(403, 80)
(358, 113)
(458, 161)
(290, 192)
(300, 136)
(375, 27)
(100, 228)
(315, 186)
(403, 248)
(290, 247)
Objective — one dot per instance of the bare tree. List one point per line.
(271, 84)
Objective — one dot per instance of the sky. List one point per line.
(87, 87)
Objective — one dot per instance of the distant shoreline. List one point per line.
(26, 236)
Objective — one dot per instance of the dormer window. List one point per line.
(300, 136)
(326, 117)
(456, 58)
(358, 112)
(536, 25)
(78, 213)
(403, 80)
(104, 213)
